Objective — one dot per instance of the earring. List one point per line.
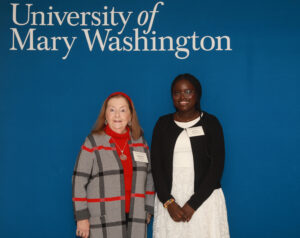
(105, 122)
(129, 123)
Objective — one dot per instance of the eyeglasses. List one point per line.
(186, 93)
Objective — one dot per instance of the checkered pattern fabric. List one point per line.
(99, 190)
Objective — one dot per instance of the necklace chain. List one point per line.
(122, 156)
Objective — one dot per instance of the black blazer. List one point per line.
(208, 152)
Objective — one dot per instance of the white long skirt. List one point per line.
(208, 221)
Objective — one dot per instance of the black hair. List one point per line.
(194, 81)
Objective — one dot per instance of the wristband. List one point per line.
(167, 203)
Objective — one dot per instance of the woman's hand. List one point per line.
(188, 212)
(83, 228)
(148, 219)
(176, 212)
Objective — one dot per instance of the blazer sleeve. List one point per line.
(157, 160)
(149, 186)
(80, 180)
(216, 151)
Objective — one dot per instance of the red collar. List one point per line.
(116, 135)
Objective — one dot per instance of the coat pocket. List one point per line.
(95, 209)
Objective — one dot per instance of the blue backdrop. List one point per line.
(48, 105)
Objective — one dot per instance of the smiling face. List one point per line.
(118, 114)
(184, 96)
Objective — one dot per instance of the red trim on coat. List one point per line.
(138, 195)
(101, 147)
(141, 195)
(79, 199)
(139, 145)
(111, 199)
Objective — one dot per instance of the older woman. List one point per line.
(112, 182)
(187, 154)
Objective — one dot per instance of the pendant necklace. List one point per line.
(122, 156)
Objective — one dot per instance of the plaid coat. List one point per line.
(99, 189)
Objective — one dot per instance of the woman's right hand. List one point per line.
(83, 228)
(176, 212)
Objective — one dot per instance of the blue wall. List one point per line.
(48, 106)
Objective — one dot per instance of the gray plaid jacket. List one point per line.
(99, 190)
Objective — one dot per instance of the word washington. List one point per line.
(180, 45)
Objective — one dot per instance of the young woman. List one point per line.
(112, 182)
(187, 155)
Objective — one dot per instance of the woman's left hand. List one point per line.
(148, 219)
(188, 211)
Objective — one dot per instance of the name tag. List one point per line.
(195, 131)
(140, 156)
